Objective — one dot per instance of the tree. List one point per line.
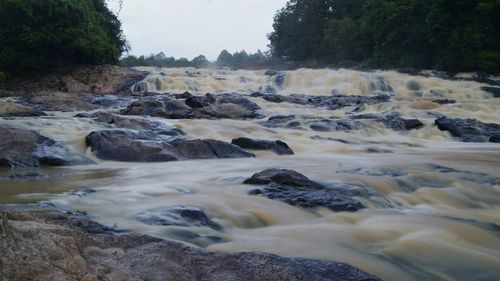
(224, 58)
(41, 35)
(200, 61)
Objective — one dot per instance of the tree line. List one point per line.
(451, 35)
(240, 59)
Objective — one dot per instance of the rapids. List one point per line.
(423, 221)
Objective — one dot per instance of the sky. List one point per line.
(187, 28)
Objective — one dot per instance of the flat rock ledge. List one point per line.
(59, 247)
(293, 188)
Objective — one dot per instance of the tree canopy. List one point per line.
(40, 35)
(452, 35)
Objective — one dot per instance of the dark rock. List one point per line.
(333, 102)
(25, 148)
(375, 172)
(147, 146)
(378, 150)
(44, 247)
(392, 121)
(320, 124)
(82, 192)
(469, 130)
(197, 102)
(278, 146)
(234, 98)
(111, 101)
(445, 101)
(295, 189)
(178, 216)
(271, 72)
(495, 91)
(280, 79)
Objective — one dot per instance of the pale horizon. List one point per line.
(190, 28)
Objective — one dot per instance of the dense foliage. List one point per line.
(453, 35)
(40, 35)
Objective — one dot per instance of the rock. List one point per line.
(295, 189)
(111, 101)
(495, 91)
(178, 216)
(445, 101)
(25, 148)
(10, 108)
(148, 146)
(55, 247)
(469, 130)
(195, 107)
(333, 102)
(278, 146)
(320, 124)
(271, 72)
(392, 121)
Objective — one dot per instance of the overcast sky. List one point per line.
(187, 28)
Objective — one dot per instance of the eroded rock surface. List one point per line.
(177, 216)
(296, 189)
(58, 247)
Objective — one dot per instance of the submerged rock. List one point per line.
(470, 130)
(61, 247)
(279, 147)
(147, 146)
(25, 148)
(178, 216)
(296, 189)
(320, 124)
(392, 121)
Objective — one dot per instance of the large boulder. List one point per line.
(470, 130)
(296, 189)
(59, 247)
(279, 147)
(148, 146)
(25, 148)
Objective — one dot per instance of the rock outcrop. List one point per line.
(148, 146)
(61, 247)
(25, 148)
(470, 130)
(296, 189)
(278, 147)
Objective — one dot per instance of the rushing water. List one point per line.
(423, 222)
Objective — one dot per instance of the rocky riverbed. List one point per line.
(111, 173)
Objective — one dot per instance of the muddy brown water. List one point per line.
(422, 221)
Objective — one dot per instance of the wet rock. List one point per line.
(52, 247)
(495, 91)
(279, 147)
(111, 101)
(195, 107)
(320, 124)
(375, 172)
(296, 189)
(25, 148)
(178, 216)
(333, 102)
(81, 192)
(445, 101)
(469, 130)
(378, 150)
(147, 146)
(271, 72)
(392, 121)
(11, 108)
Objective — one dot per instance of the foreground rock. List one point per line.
(296, 189)
(11, 108)
(470, 130)
(331, 102)
(25, 148)
(278, 147)
(147, 146)
(59, 247)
